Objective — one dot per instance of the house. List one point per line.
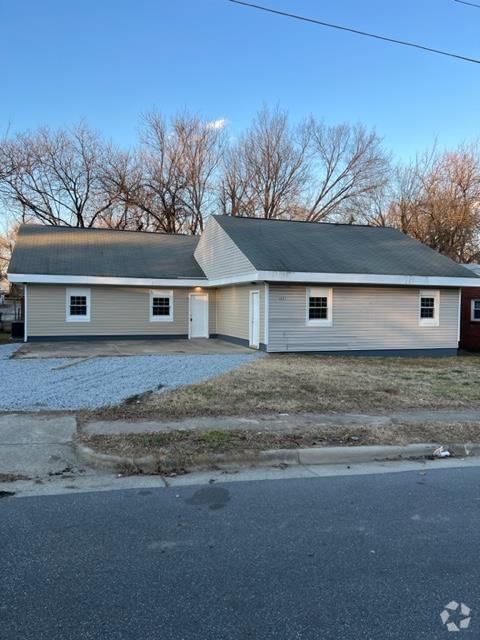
(470, 315)
(281, 286)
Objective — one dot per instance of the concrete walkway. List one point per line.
(282, 422)
(36, 445)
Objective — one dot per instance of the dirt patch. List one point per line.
(12, 477)
(316, 384)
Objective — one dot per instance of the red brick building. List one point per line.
(470, 316)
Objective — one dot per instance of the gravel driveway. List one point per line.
(34, 385)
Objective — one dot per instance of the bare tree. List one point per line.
(348, 168)
(7, 242)
(54, 177)
(168, 183)
(265, 172)
(438, 202)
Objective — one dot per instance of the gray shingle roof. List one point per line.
(71, 251)
(274, 245)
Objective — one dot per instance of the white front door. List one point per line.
(254, 333)
(198, 315)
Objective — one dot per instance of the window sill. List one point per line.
(319, 323)
(78, 319)
(162, 319)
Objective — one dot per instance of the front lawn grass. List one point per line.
(4, 337)
(179, 450)
(314, 384)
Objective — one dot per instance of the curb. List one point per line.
(310, 456)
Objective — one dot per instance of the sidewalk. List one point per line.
(36, 445)
(282, 422)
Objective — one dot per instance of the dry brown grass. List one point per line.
(302, 383)
(181, 449)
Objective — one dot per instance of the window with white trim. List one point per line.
(78, 304)
(475, 310)
(161, 306)
(319, 306)
(429, 308)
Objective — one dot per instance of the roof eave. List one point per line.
(37, 278)
(287, 277)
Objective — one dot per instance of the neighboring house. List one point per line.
(270, 284)
(470, 315)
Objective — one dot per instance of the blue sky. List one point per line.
(107, 61)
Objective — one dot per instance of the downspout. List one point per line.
(459, 317)
(266, 314)
(25, 312)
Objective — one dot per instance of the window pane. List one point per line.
(160, 306)
(476, 309)
(317, 308)
(78, 305)
(427, 308)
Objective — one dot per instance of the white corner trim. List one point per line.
(25, 313)
(161, 293)
(459, 316)
(266, 315)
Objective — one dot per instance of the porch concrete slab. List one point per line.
(104, 348)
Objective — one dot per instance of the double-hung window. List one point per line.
(475, 310)
(78, 304)
(429, 308)
(161, 306)
(319, 306)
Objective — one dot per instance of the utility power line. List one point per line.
(357, 31)
(470, 4)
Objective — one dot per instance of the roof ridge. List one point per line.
(64, 226)
(332, 224)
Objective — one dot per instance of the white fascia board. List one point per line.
(254, 276)
(365, 278)
(108, 280)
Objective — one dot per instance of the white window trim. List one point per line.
(161, 293)
(429, 322)
(319, 292)
(78, 291)
(472, 310)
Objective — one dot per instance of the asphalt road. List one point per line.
(341, 558)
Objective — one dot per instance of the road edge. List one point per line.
(273, 457)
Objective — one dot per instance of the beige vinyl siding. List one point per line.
(114, 311)
(218, 255)
(233, 311)
(363, 318)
